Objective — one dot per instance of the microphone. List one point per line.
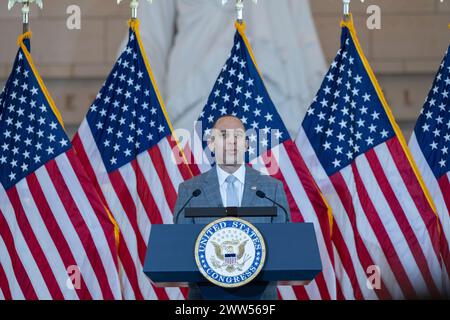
(195, 194)
(262, 195)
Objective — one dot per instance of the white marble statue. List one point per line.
(188, 41)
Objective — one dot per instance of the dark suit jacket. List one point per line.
(208, 183)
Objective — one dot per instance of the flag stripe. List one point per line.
(144, 192)
(304, 185)
(129, 264)
(78, 220)
(156, 187)
(445, 225)
(71, 231)
(403, 230)
(131, 176)
(352, 268)
(127, 287)
(387, 249)
(291, 178)
(344, 279)
(365, 259)
(346, 266)
(84, 160)
(183, 166)
(32, 242)
(128, 251)
(414, 188)
(105, 221)
(28, 276)
(5, 286)
(40, 230)
(160, 167)
(125, 257)
(57, 236)
(438, 188)
(287, 293)
(300, 292)
(370, 238)
(129, 207)
(141, 229)
(104, 251)
(317, 288)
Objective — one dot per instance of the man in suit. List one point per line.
(231, 183)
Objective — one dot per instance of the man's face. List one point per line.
(228, 141)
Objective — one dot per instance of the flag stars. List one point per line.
(259, 100)
(437, 132)
(50, 150)
(336, 163)
(63, 142)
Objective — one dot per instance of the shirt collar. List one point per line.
(239, 174)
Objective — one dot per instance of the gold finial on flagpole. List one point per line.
(25, 11)
(239, 9)
(134, 4)
(346, 10)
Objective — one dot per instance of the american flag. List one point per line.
(127, 147)
(385, 224)
(52, 223)
(240, 91)
(429, 145)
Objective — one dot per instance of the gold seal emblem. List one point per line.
(230, 252)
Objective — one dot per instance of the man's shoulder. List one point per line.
(196, 180)
(261, 177)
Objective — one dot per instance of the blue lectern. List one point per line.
(292, 258)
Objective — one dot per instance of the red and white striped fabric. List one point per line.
(429, 146)
(125, 144)
(139, 194)
(440, 192)
(49, 221)
(385, 226)
(57, 241)
(282, 161)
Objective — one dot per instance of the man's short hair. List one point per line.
(228, 116)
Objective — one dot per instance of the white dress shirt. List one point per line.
(239, 174)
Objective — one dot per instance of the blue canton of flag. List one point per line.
(240, 91)
(346, 118)
(30, 133)
(126, 118)
(433, 125)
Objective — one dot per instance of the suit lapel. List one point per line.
(250, 187)
(212, 189)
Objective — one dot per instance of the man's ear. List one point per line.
(246, 145)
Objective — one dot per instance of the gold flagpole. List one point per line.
(346, 10)
(134, 4)
(25, 11)
(239, 9)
